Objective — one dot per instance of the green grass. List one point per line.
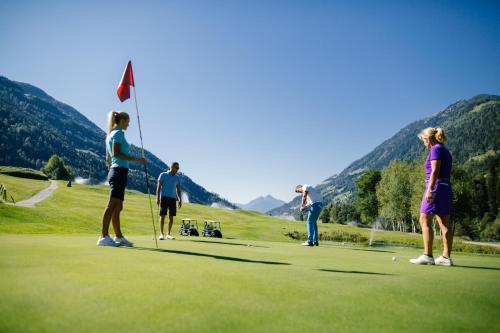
(78, 210)
(57, 283)
(55, 279)
(22, 188)
(23, 172)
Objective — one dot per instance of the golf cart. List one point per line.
(189, 227)
(212, 229)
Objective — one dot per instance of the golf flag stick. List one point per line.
(123, 93)
(145, 167)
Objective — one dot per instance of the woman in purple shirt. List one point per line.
(437, 200)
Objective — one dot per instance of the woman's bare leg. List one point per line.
(115, 218)
(446, 233)
(427, 232)
(108, 213)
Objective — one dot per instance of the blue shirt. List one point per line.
(117, 136)
(169, 184)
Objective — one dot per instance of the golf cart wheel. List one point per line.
(217, 234)
(193, 232)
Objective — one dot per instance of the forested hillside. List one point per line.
(34, 126)
(473, 130)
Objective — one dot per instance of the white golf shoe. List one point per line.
(106, 241)
(442, 261)
(122, 241)
(306, 243)
(423, 260)
(162, 237)
(169, 237)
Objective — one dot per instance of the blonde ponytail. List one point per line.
(111, 120)
(439, 136)
(436, 134)
(114, 118)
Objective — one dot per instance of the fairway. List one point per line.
(55, 283)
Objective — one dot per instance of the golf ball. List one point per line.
(393, 258)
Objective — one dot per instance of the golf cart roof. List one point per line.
(188, 220)
(212, 221)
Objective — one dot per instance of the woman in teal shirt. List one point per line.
(117, 149)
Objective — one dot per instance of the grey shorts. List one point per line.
(168, 204)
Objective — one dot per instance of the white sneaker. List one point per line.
(170, 237)
(423, 260)
(122, 241)
(106, 241)
(162, 237)
(306, 243)
(443, 261)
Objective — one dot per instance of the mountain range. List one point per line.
(262, 204)
(473, 130)
(34, 126)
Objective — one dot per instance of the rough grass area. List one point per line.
(23, 173)
(22, 188)
(78, 210)
(391, 238)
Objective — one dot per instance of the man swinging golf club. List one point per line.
(168, 192)
(312, 200)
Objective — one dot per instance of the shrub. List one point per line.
(56, 169)
(336, 236)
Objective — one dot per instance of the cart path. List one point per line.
(495, 244)
(39, 197)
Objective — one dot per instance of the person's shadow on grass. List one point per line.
(351, 272)
(214, 256)
(477, 267)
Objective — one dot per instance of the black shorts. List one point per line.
(168, 204)
(117, 179)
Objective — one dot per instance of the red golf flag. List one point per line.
(125, 83)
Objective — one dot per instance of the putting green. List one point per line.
(57, 283)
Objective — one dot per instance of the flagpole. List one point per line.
(145, 167)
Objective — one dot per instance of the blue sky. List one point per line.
(253, 97)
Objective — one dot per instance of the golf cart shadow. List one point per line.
(214, 256)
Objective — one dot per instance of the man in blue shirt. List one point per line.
(168, 191)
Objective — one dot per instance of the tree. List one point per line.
(365, 195)
(492, 186)
(56, 169)
(417, 187)
(324, 216)
(393, 194)
(343, 213)
(462, 202)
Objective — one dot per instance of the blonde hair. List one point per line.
(114, 117)
(432, 133)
